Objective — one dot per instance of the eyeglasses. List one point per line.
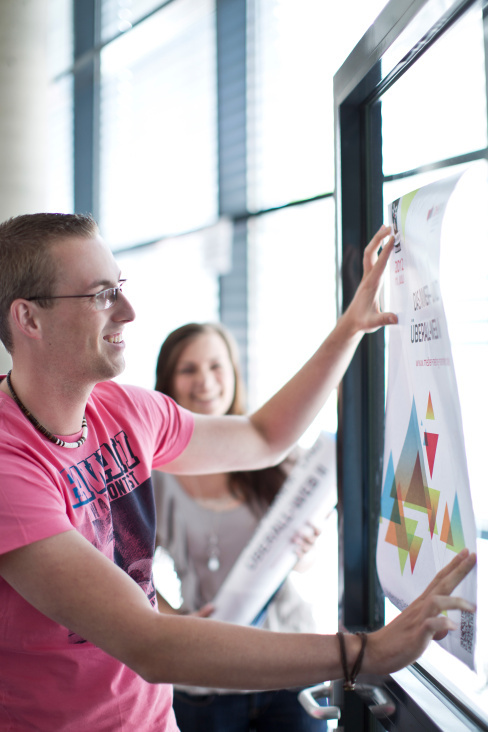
(102, 300)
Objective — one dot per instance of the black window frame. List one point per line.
(358, 84)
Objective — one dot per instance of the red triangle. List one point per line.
(430, 443)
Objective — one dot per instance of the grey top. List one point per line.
(190, 533)
(187, 531)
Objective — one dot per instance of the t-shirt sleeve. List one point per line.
(177, 432)
(169, 426)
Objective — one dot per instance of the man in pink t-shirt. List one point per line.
(103, 490)
(82, 645)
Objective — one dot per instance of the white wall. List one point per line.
(23, 90)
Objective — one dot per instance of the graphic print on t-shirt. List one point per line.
(113, 506)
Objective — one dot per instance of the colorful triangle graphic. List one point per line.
(434, 502)
(430, 442)
(430, 409)
(446, 534)
(457, 527)
(452, 531)
(389, 490)
(417, 495)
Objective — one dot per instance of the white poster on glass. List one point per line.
(426, 509)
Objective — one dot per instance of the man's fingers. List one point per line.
(375, 242)
(447, 570)
(448, 578)
(439, 626)
(441, 603)
(375, 252)
(382, 319)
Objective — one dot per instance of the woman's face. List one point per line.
(204, 379)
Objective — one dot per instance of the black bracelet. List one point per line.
(350, 679)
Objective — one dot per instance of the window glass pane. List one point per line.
(119, 16)
(60, 41)
(158, 151)
(293, 51)
(168, 284)
(60, 192)
(59, 188)
(431, 115)
(292, 294)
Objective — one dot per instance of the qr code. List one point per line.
(467, 630)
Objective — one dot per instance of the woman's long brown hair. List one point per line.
(257, 487)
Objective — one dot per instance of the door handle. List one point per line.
(308, 700)
(375, 697)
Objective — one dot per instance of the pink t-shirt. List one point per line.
(50, 678)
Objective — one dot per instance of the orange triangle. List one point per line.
(446, 533)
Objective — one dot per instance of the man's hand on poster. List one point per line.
(404, 639)
(364, 313)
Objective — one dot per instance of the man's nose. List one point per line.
(124, 310)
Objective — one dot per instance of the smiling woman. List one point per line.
(205, 521)
(204, 379)
(198, 364)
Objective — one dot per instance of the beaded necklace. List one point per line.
(43, 430)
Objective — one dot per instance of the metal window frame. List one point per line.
(232, 161)
(86, 73)
(359, 180)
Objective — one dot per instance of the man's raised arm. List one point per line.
(221, 444)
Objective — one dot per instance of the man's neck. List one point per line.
(60, 413)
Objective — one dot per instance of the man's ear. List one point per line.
(25, 318)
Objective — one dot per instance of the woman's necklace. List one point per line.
(43, 430)
(216, 507)
(213, 548)
(222, 501)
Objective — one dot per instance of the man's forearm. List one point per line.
(200, 652)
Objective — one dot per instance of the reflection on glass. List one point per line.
(119, 16)
(437, 110)
(410, 38)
